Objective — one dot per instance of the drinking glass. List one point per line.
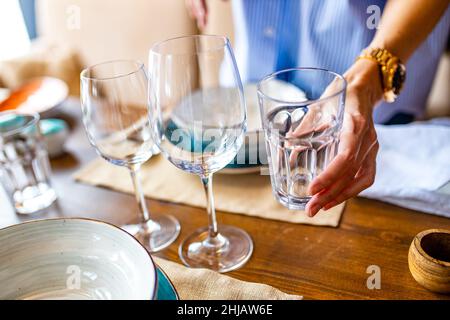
(24, 165)
(301, 122)
(114, 100)
(199, 119)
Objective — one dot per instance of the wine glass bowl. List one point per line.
(113, 118)
(201, 141)
(198, 114)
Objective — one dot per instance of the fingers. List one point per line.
(328, 195)
(199, 10)
(364, 179)
(361, 182)
(340, 164)
(353, 169)
(322, 198)
(369, 142)
(308, 123)
(353, 133)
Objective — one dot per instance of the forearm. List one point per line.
(406, 23)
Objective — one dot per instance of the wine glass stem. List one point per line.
(214, 238)
(135, 177)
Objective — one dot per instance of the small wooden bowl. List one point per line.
(429, 259)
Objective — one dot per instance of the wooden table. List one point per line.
(316, 262)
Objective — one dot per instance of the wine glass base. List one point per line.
(237, 250)
(155, 234)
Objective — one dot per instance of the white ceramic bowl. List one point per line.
(73, 259)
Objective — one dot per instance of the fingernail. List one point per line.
(313, 210)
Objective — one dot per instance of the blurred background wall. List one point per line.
(112, 29)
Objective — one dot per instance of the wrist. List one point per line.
(392, 71)
(365, 78)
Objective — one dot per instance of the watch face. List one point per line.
(399, 78)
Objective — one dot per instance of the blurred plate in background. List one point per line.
(253, 149)
(36, 95)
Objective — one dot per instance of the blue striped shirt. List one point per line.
(278, 34)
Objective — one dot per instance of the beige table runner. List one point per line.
(249, 194)
(203, 284)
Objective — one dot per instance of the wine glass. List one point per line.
(198, 113)
(114, 98)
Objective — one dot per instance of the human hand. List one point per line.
(198, 10)
(353, 168)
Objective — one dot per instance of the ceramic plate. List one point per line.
(73, 259)
(166, 289)
(36, 95)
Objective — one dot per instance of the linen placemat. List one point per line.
(204, 284)
(249, 194)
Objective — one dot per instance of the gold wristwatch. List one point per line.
(392, 70)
